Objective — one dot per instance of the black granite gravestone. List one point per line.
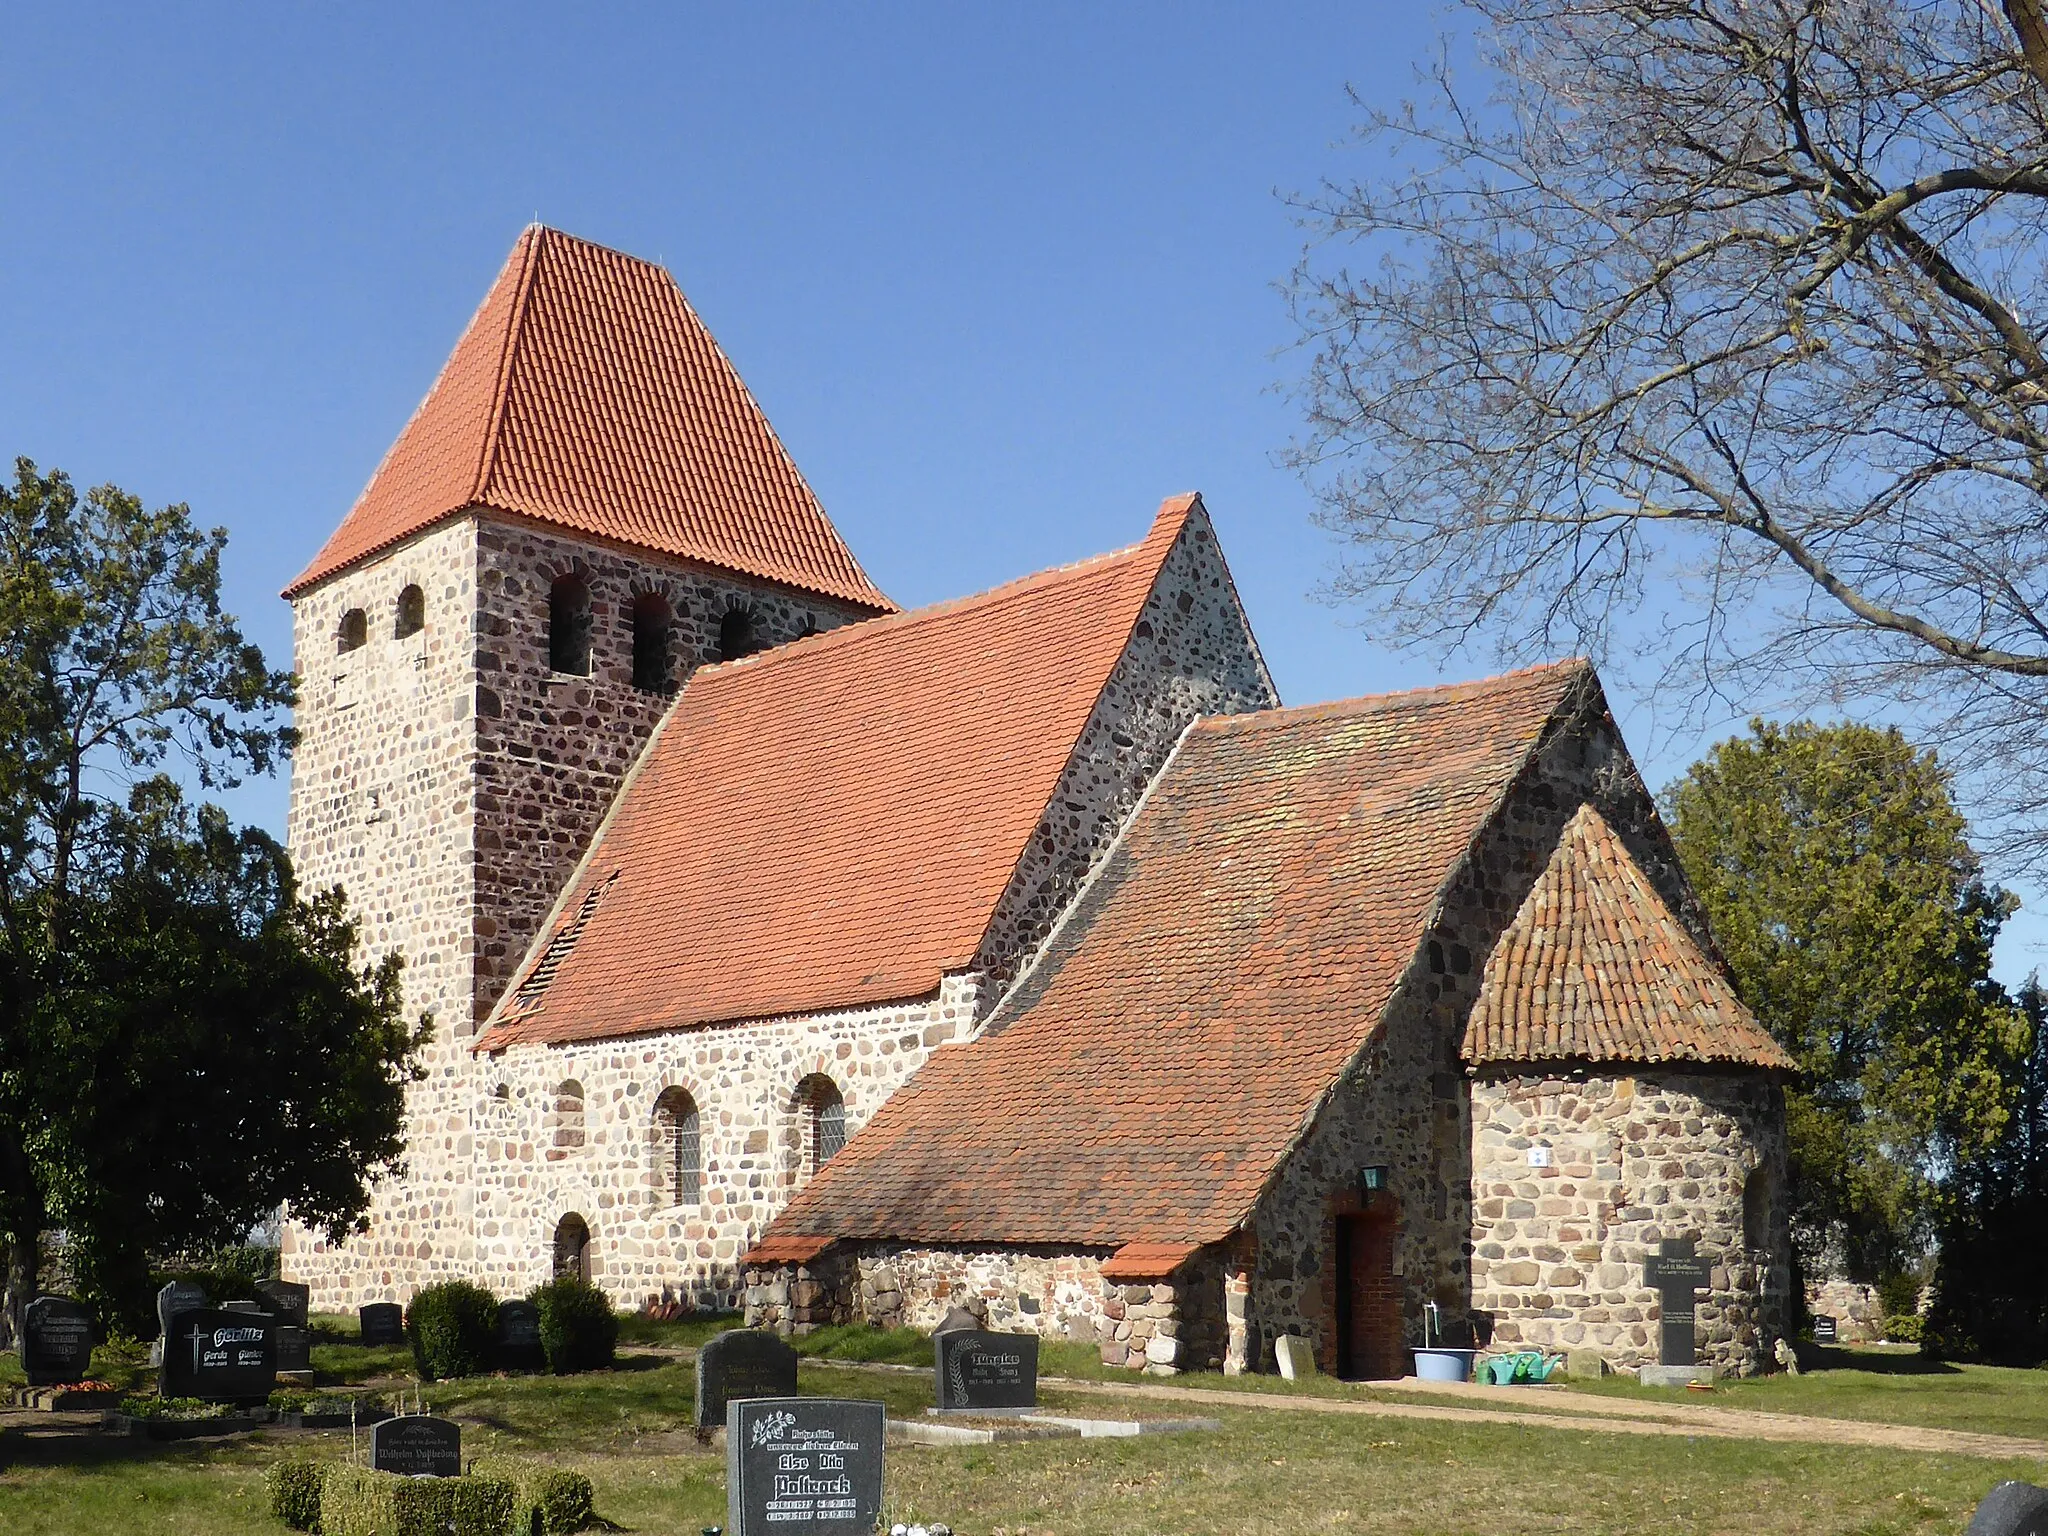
(977, 1371)
(382, 1323)
(178, 1296)
(417, 1445)
(803, 1464)
(1824, 1330)
(287, 1299)
(1676, 1274)
(744, 1362)
(220, 1356)
(294, 1348)
(2011, 1509)
(56, 1341)
(519, 1346)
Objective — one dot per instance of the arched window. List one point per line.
(823, 1111)
(565, 1120)
(412, 613)
(1756, 1210)
(569, 626)
(355, 629)
(679, 1145)
(572, 1247)
(736, 635)
(651, 624)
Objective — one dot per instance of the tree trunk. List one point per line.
(23, 1253)
(2029, 19)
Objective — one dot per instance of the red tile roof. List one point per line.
(1147, 1261)
(831, 824)
(1151, 1071)
(587, 394)
(1596, 967)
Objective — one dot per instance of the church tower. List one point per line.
(587, 505)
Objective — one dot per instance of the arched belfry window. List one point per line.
(572, 1247)
(569, 626)
(736, 635)
(822, 1109)
(679, 1147)
(651, 624)
(354, 630)
(412, 613)
(565, 1120)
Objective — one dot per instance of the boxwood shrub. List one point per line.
(578, 1328)
(355, 1501)
(295, 1492)
(553, 1500)
(453, 1329)
(1906, 1328)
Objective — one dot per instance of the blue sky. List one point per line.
(1002, 279)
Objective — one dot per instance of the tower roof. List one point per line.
(586, 393)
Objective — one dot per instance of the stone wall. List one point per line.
(1858, 1314)
(1577, 1178)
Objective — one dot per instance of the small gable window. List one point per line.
(565, 1120)
(823, 1109)
(569, 626)
(651, 625)
(736, 636)
(355, 629)
(679, 1140)
(412, 613)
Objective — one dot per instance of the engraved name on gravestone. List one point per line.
(744, 1362)
(287, 1299)
(977, 1371)
(417, 1445)
(519, 1346)
(1676, 1274)
(220, 1356)
(381, 1322)
(1824, 1330)
(803, 1464)
(56, 1341)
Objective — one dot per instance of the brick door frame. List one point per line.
(1382, 1208)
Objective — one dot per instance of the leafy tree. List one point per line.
(1840, 883)
(1716, 331)
(183, 1040)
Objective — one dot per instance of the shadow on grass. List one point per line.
(1820, 1357)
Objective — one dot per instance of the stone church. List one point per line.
(793, 952)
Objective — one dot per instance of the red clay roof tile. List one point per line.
(1596, 967)
(1237, 948)
(587, 394)
(831, 824)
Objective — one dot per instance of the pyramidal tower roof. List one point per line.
(587, 394)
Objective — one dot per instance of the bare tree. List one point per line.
(1712, 332)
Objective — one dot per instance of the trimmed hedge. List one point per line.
(453, 1329)
(578, 1328)
(550, 1499)
(295, 1492)
(355, 1501)
(1906, 1329)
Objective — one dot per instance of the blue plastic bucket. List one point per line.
(1444, 1364)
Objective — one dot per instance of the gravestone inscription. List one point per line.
(978, 1372)
(178, 1296)
(294, 1349)
(519, 1346)
(220, 1356)
(417, 1445)
(1676, 1274)
(287, 1299)
(803, 1464)
(743, 1362)
(1824, 1330)
(56, 1341)
(381, 1323)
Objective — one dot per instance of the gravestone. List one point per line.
(417, 1445)
(294, 1352)
(955, 1319)
(1295, 1357)
(222, 1356)
(255, 1307)
(1824, 1330)
(519, 1346)
(382, 1323)
(743, 1362)
(287, 1299)
(178, 1296)
(56, 1341)
(1676, 1274)
(2011, 1509)
(803, 1464)
(978, 1372)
